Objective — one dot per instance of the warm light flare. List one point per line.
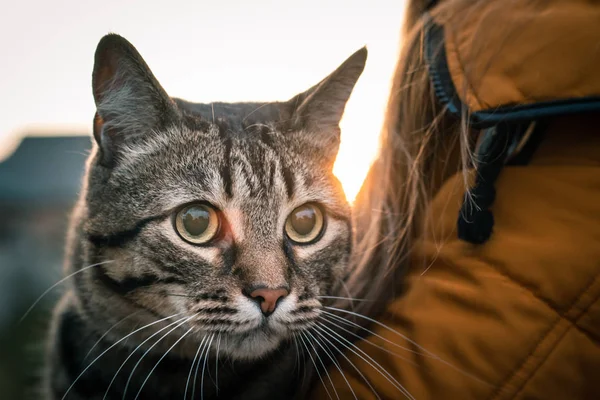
(363, 118)
(228, 56)
(360, 126)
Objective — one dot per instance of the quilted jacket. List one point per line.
(516, 317)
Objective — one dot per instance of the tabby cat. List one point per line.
(205, 241)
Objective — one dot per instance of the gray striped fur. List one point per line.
(153, 154)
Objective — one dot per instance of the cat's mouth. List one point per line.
(245, 331)
(264, 328)
(252, 344)
(266, 334)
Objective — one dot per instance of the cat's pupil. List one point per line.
(196, 220)
(304, 220)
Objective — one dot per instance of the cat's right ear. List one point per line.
(130, 103)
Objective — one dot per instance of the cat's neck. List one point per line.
(110, 365)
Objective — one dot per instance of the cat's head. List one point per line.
(228, 214)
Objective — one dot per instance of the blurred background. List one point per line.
(228, 50)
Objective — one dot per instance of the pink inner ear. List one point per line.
(106, 73)
(98, 124)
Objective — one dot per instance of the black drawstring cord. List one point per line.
(430, 4)
(476, 221)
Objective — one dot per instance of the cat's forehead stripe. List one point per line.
(225, 169)
(288, 180)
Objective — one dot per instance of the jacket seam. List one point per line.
(544, 336)
(545, 358)
(572, 324)
(534, 293)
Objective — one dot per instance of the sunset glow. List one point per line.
(201, 51)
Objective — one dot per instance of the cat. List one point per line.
(205, 240)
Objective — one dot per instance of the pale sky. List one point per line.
(219, 50)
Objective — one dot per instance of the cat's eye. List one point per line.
(197, 223)
(304, 224)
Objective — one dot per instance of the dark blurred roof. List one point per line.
(44, 169)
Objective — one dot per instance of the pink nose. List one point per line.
(268, 298)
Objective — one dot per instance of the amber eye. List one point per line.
(304, 224)
(197, 223)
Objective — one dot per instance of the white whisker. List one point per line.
(159, 360)
(187, 384)
(338, 367)
(58, 283)
(198, 368)
(343, 298)
(303, 364)
(113, 345)
(428, 353)
(315, 365)
(253, 111)
(204, 366)
(351, 363)
(378, 368)
(324, 369)
(297, 365)
(107, 332)
(185, 319)
(133, 352)
(217, 364)
(345, 287)
(326, 314)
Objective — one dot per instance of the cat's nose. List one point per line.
(267, 299)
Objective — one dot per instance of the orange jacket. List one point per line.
(517, 317)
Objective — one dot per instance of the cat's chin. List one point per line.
(251, 345)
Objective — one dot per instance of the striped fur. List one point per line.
(255, 163)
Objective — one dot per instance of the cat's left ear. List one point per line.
(130, 103)
(319, 110)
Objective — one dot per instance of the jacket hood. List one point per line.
(526, 59)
